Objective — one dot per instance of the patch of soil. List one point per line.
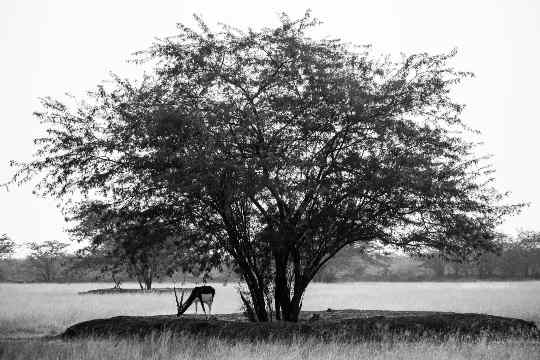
(342, 325)
(133, 291)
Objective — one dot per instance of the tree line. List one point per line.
(268, 151)
(517, 259)
(50, 262)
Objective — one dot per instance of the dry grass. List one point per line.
(166, 347)
(45, 309)
(48, 309)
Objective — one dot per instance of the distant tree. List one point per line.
(349, 264)
(436, 263)
(487, 265)
(98, 261)
(529, 242)
(148, 245)
(512, 258)
(46, 259)
(278, 150)
(482, 264)
(7, 247)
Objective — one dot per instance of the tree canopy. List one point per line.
(7, 246)
(278, 150)
(45, 258)
(147, 244)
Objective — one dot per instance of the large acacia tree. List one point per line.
(279, 150)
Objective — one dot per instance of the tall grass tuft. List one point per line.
(166, 346)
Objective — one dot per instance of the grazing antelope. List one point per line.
(199, 294)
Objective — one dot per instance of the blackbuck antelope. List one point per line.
(202, 294)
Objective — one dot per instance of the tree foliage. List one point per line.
(46, 259)
(520, 258)
(278, 150)
(100, 261)
(515, 258)
(146, 244)
(7, 247)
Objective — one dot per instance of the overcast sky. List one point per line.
(53, 47)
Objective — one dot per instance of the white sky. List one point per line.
(53, 47)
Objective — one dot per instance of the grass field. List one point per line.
(31, 310)
(166, 347)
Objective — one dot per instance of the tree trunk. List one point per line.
(140, 283)
(291, 311)
(287, 307)
(116, 281)
(281, 287)
(257, 300)
(255, 290)
(148, 283)
(294, 308)
(148, 279)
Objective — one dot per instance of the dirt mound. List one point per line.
(132, 291)
(341, 326)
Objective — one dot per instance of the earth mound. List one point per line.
(343, 325)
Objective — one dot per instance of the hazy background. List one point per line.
(48, 48)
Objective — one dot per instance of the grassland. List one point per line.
(165, 347)
(28, 310)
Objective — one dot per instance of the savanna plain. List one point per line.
(31, 313)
